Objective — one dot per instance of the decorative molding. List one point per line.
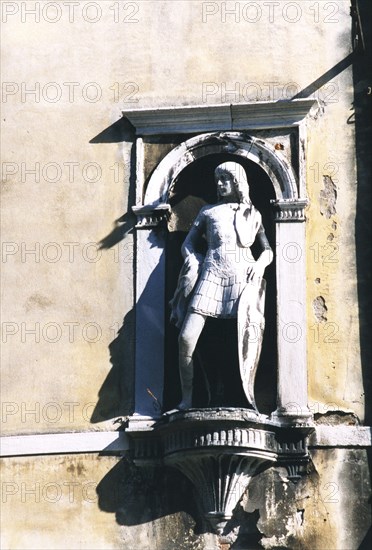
(63, 443)
(341, 436)
(223, 436)
(288, 210)
(207, 118)
(151, 215)
(119, 442)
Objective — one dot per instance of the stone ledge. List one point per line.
(340, 436)
(63, 443)
(118, 442)
(207, 118)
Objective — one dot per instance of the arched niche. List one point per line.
(288, 205)
(238, 143)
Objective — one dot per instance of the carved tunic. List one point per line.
(223, 273)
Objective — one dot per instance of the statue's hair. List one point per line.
(239, 177)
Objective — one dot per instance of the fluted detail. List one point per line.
(234, 437)
(150, 216)
(289, 210)
(220, 479)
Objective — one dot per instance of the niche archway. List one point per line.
(288, 211)
(238, 143)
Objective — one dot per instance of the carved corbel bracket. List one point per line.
(289, 210)
(296, 470)
(219, 451)
(150, 215)
(219, 455)
(292, 450)
(220, 478)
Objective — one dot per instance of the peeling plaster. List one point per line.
(300, 516)
(335, 418)
(320, 309)
(328, 197)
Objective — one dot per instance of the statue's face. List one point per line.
(225, 185)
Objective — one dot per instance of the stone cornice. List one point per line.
(208, 118)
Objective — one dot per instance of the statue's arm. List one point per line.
(190, 244)
(257, 269)
(267, 255)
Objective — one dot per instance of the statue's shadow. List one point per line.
(141, 495)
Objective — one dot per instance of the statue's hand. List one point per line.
(255, 272)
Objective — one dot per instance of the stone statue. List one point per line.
(226, 282)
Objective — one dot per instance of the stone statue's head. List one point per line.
(236, 173)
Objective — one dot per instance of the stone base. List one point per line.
(219, 450)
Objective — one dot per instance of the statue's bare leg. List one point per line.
(188, 338)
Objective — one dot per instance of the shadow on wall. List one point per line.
(141, 495)
(121, 130)
(367, 541)
(362, 106)
(362, 119)
(115, 398)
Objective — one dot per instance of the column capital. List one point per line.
(289, 210)
(151, 215)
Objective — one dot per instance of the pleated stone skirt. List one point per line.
(217, 296)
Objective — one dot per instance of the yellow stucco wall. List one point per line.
(174, 53)
(63, 304)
